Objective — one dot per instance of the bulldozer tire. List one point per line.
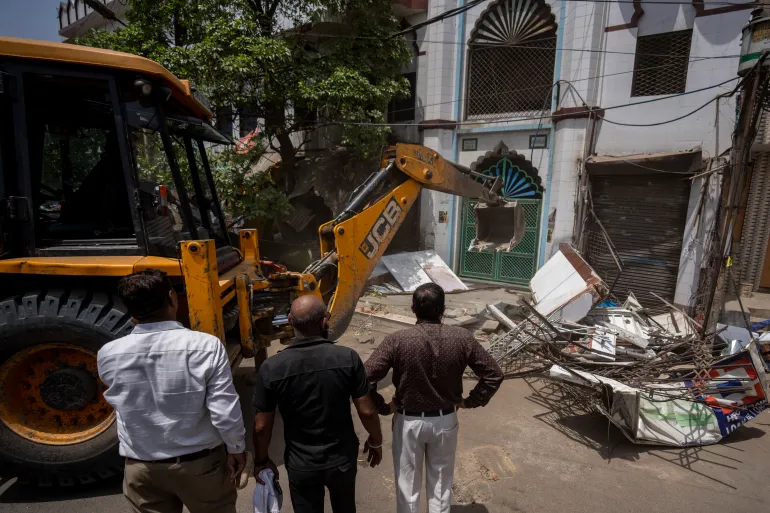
(56, 429)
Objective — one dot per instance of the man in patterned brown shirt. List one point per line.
(428, 363)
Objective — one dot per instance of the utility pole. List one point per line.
(752, 96)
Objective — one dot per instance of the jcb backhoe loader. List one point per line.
(104, 172)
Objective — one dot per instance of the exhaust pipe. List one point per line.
(498, 227)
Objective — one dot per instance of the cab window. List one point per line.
(78, 185)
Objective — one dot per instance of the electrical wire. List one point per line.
(440, 17)
(574, 89)
(659, 123)
(458, 10)
(665, 171)
(512, 91)
(527, 46)
(532, 118)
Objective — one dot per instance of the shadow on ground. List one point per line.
(566, 415)
(19, 494)
(468, 508)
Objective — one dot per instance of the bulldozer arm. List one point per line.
(498, 227)
(353, 243)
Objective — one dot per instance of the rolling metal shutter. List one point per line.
(645, 217)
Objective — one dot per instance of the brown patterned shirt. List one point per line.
(428, 363)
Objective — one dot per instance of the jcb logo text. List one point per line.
(381, 229)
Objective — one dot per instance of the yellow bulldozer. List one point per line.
(104, 172)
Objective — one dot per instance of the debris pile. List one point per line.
(660, 379)
(404, 272)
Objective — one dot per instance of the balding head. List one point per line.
(308, 316)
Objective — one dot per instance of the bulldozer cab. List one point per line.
(102, 162)
(104, 172)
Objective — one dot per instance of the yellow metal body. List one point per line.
(199, 264)
(360, 242)
(26, 413)
(357, 243)
(207, 291)
(99, 58)
(89, 265)
(434, 172)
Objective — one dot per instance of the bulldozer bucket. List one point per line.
(498, 227)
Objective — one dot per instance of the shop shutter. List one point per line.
(645, 217)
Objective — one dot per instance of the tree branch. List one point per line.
(272, 8)
(256, 5)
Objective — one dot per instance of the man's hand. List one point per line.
(392, 406)
(235, 465)
(374, 453)
(260, 468)
(460, 405)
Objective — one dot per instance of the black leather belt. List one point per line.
(434, 413)
(185, 457)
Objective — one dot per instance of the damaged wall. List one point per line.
(323, 185)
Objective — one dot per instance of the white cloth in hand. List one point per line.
(266, 499)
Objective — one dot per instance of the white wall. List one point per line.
(433, 234)
(440, 56)
(517, 141)
(602, 78)
(716, 35)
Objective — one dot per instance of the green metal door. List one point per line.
(517, 266)
(520, 183)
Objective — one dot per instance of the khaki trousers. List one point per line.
(202, 485)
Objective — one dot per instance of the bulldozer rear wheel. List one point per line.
(56, 429)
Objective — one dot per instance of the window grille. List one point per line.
(661, 63)
(512, 52)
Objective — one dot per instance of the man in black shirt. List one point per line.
(312, 382)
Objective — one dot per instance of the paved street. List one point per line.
(521, 453)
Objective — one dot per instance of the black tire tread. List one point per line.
(96, 311)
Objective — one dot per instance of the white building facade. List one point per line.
(486, 99)
(575, 104)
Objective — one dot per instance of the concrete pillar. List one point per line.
(435, 232)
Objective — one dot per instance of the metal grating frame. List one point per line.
(495, 87)
(661, 63)
(517, 266)
(511, 58)
(645, 217)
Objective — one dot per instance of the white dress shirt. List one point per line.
(172, 391)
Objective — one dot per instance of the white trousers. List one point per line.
(432, 440)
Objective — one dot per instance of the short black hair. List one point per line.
(428, 302)
(144, 293)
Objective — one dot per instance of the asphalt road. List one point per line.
(522, 453)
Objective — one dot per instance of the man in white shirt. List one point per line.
(179, 419)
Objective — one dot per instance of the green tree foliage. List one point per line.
(236, 183)
(269, 58)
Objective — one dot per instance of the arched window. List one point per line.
(512, 50)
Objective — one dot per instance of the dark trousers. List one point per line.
(307, 489)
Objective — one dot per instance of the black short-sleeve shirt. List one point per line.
(311, 382)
